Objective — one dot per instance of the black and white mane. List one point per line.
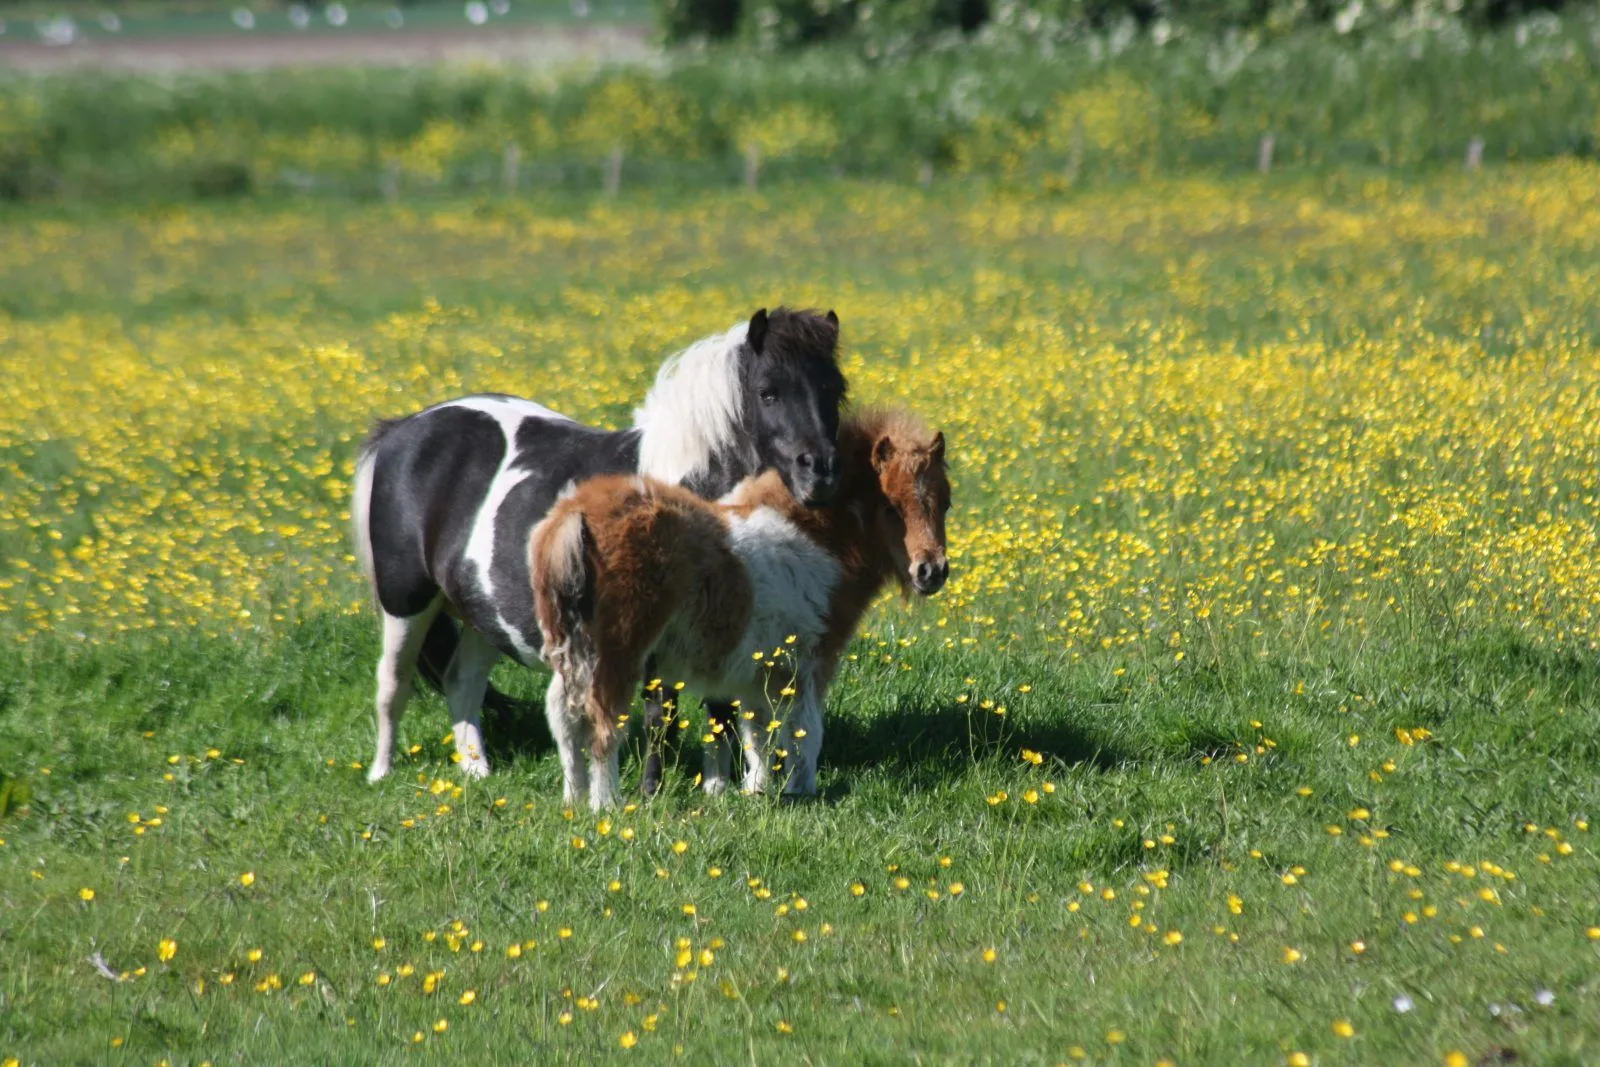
(445, 499)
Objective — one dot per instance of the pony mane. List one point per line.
(907, 430)
(694, 409)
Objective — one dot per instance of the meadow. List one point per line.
(1256, 725)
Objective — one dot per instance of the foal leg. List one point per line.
(802, 738)
(608, 704)
(465, 680)
(397, 663)
(605, 779)
(722, 718)
(571, 734)
(754, 735)
(655, 731)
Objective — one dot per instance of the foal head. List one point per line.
(915, 495)
(792, 392)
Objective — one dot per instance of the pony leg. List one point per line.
(397, 663)
(722, 718)
(465, 680)
(571, 737)
(802, 737)
(604, 779)
(655, 729)
(754, 735)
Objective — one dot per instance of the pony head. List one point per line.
(915, 489)
(793, 389)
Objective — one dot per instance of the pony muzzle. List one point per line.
(815, 477)
(929, 575)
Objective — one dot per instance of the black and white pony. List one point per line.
(445, 499)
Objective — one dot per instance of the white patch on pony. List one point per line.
(693, 410)
(510, 413)
(792, 579)
(361, 521)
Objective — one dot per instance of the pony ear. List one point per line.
(757, 336)
(882, 453)
(936, 450)
(832, 318)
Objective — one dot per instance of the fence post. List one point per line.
(1075, 153)
(511, 167)
(925, 174)
(1475, 153)
(613, 182)
(389, 181)
(1264, 154)
(752, 167)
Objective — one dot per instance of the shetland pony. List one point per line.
(445, 499)
(753, 597)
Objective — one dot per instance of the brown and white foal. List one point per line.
(752, 598)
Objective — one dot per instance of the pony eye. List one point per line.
(769, 396)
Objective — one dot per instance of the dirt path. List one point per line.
(535, 45)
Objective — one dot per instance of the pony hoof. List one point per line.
(475, 768)
(377, 773)
(715, 787)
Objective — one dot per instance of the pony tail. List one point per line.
(361, 519)
(563, 594)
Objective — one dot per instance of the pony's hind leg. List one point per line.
(570, 731)
(402, 639)
(605, 779)
(607, 718)
(465, 680)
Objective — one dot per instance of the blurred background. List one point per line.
(167, 99)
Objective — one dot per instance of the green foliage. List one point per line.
(1105, 105)
(689, 20)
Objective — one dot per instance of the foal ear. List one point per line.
(936, 450)
(882, 453)
(832, 318)
(757, 335)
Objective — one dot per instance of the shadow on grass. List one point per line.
(927, 745)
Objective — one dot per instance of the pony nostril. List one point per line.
(924, 573)
(806, 460)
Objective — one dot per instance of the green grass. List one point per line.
(1141, 747)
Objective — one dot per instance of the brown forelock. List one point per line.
(918, 486)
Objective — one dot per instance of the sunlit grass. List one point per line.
(1256, 723)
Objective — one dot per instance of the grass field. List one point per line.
(1257, 725)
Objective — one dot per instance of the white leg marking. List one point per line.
(402, 640)
(464, 683)
(604, 780)
(718, 768)
(571, 736)
(754, 736)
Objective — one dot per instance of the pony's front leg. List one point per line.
(802, 739)
(720, 718)
(755, 737)
(570, 733)
(655, 739)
